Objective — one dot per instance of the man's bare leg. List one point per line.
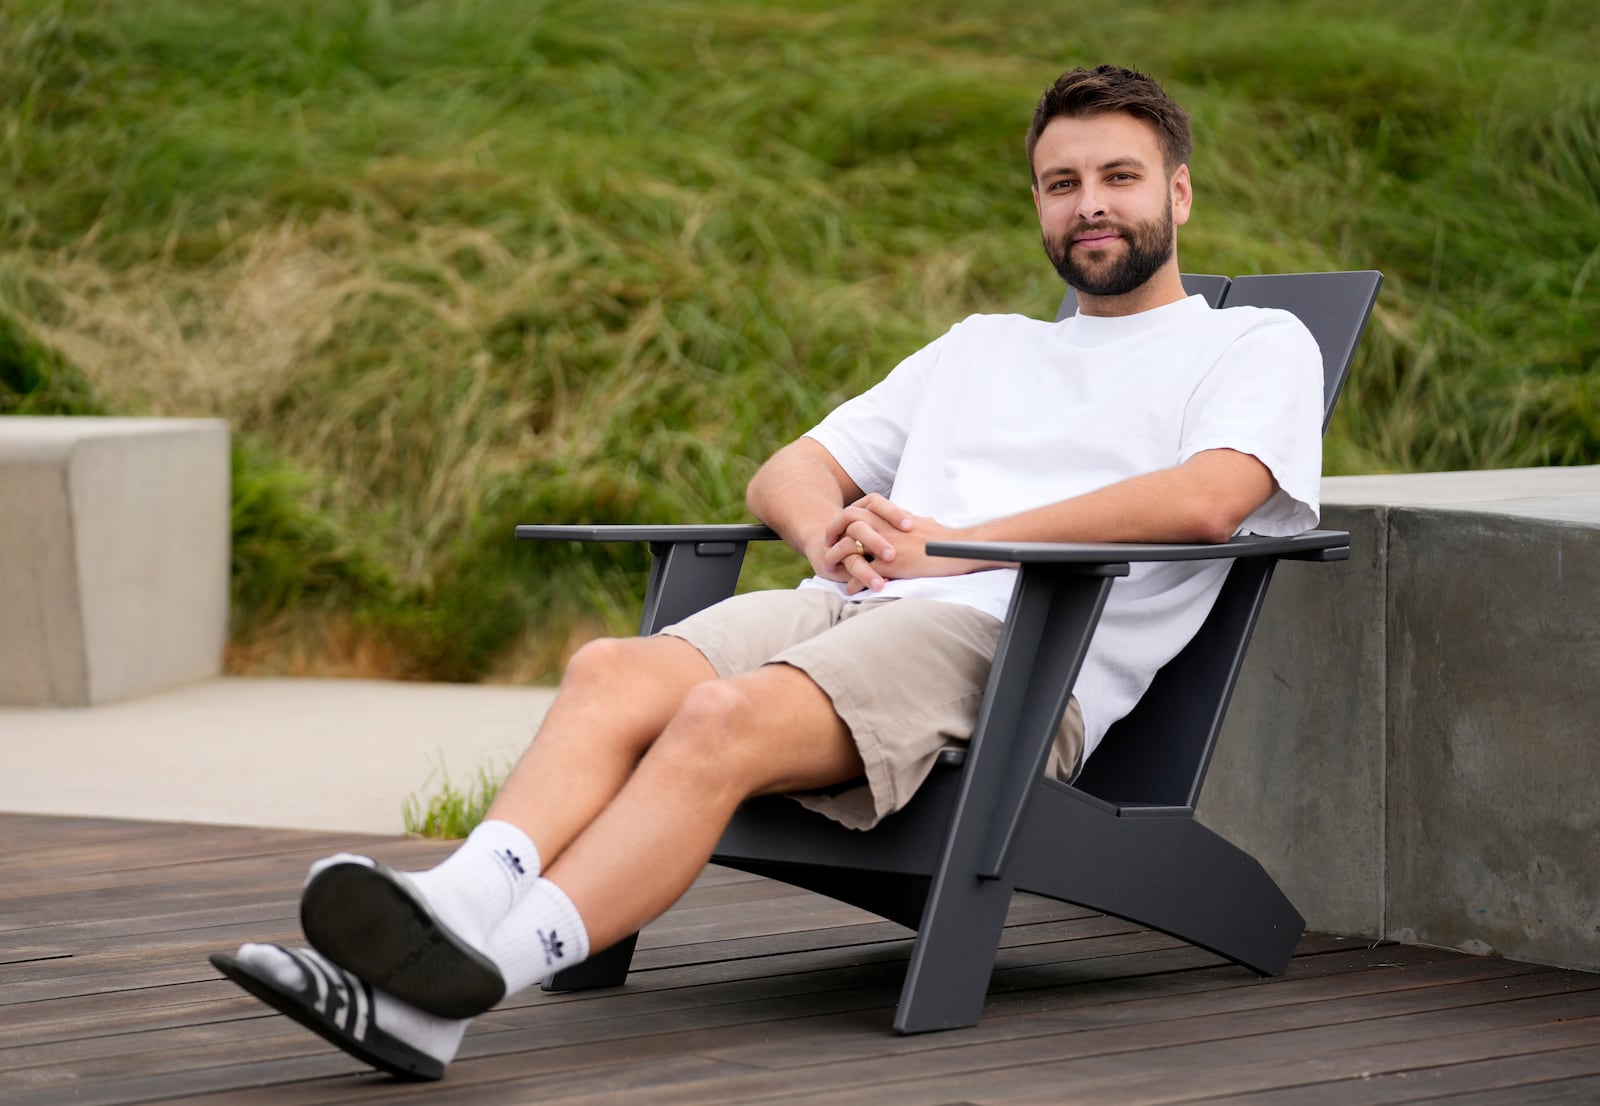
(455, 947)
(616, 698)
(639, 767)
(767, 731)
(771, 730)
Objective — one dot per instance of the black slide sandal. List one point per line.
(339, 1011)
(367, 919)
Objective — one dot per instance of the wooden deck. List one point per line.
(748, 991)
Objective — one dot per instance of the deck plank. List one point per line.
(747, 991)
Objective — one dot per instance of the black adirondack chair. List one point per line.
(1122, 837)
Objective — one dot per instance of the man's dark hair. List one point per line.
(1083, 93)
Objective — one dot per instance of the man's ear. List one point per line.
(1181, 190)
(1036, 208)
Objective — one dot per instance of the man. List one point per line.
(1147, 417)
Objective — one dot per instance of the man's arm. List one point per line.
(801, 493)
(1205, 499)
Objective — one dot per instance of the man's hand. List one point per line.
(873, 541)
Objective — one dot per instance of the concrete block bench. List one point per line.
(114, 547)
(1414, 747)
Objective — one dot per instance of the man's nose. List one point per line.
(1091, 205)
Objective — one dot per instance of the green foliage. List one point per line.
(288, 553)
(37, 381)
(450, 266)
(447, 810)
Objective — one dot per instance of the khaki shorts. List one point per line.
(905, 675)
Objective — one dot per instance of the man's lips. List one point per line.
(1097, 240)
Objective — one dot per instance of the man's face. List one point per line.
(1107, 212)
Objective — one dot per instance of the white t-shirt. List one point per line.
(1005, 413)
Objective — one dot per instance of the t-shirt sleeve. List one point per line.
(867, 434)
(1264, 397)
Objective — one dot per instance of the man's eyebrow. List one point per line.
(1115, 163)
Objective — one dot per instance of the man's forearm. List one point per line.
(799, 492)
(1205, 499)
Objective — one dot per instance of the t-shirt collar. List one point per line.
(1094, 330)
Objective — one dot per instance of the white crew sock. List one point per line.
(438, 1037)
(543, 935)
(480, 883)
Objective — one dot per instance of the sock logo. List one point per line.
(552, 946)
(512, 862)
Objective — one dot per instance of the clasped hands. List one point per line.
(872, 541)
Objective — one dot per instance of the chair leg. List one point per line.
(953, 958)
(1166, 872)
(608, 968)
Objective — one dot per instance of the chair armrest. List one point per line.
(691, 566)
(1054, 611)
(666, 533)
(1313, 545)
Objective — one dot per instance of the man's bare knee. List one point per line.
(615, 665)
(596, 662)
(712, 714)
(706, 744)
(768, 730)
(617, 696)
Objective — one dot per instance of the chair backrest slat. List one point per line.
(1334, 306)
(1159, 753)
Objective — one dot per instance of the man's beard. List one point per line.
(1149, 246)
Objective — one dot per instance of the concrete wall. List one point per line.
(1414, 748)
(114, 547)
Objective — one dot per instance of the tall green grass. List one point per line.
(449, 266)
(449, 810)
